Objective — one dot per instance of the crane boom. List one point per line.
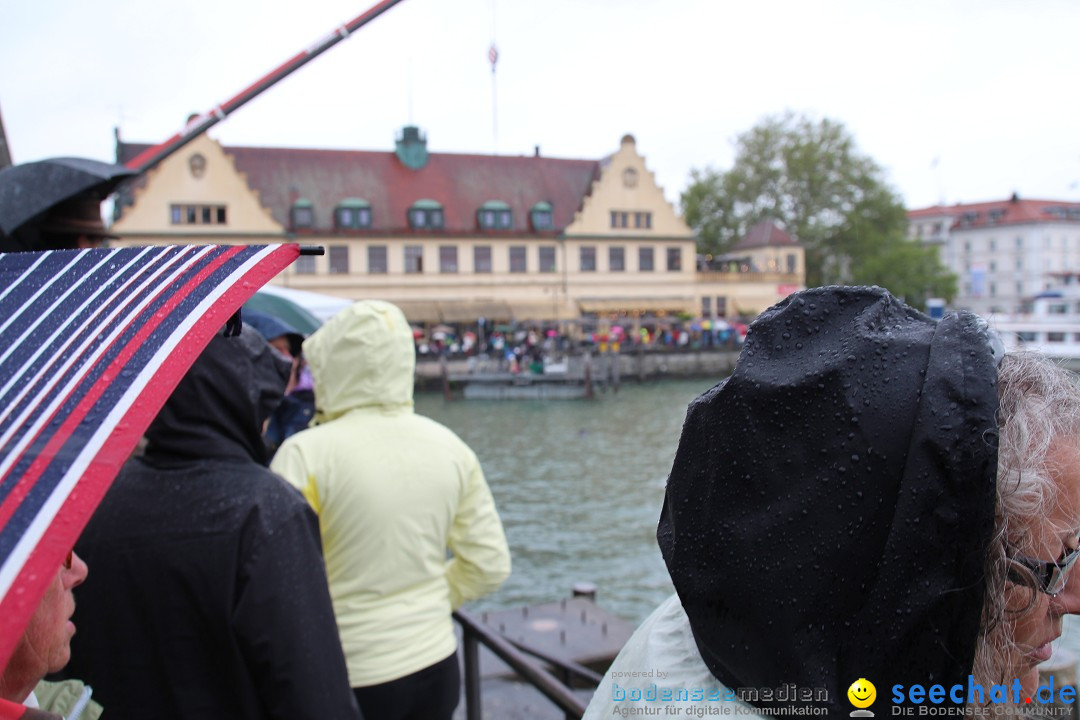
(201, 123)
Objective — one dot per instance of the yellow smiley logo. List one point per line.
(862, 693)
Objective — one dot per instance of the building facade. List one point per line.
(1004, 252)
(451, 237)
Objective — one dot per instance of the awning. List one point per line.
(637, 304)
(459, 312)
(541, 311)
(420, 311)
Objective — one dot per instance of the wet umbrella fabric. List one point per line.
(92, 342)
(282, 308)
(30, 190)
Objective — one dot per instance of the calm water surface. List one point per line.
(579, 487)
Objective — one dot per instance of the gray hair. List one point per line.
(1038, 402)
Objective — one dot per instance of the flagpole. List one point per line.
(493, 56)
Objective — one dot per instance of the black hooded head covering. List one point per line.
(831, 503)
(220, 405)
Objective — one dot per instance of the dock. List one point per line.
(572, 630)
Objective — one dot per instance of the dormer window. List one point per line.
(494, 215)
(426, 215)
(302, 214)
(352, 214)
(541, 216)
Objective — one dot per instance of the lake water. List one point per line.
(579, 486)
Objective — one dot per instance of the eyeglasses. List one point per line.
(69, 559)
(1050, 576)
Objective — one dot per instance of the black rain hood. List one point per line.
(218, 409)
(831, 503)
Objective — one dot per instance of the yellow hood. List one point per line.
(362, 357)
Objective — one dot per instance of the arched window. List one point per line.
(426, 215)
(541, 216)
(302, 214)
(494, 215)
(352, 214)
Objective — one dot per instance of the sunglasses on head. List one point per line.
(1050, 576)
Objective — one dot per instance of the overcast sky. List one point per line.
(957, 101)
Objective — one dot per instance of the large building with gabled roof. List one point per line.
(449, 237)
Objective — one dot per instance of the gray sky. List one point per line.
(986, 87)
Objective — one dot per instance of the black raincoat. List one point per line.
(207, 596)
(831, 503)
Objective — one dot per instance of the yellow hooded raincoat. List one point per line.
(394, 491)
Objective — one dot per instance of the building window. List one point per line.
(304, 265)
(448, 259)
(481, 258)
(426, 215)
(645, 259)
(792, 262)
(376, 259)
(1020, 243)
(352, 214)
(541, 216)
(721, 307)
(414, 259)
(302, 214)
(547, 258)
(619, 219)
(643, 220)
(339, 259)
(706, 306)
(494, 215)
(616, 259)
(674, 259)
(1026, 336)
(587, 258)
(518, 260)
(993, 245)
(1055, 337)
(197, 214)
(1057, 309)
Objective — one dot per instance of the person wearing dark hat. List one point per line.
(209, 597)
(74, 223)
(298, 407)
(872, 496)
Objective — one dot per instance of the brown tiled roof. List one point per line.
(765, 234)
(460, 183)
(1001, 212)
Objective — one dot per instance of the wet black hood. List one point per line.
(830, 504)
(218, 409)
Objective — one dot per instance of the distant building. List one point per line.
(453, 237)
(1004, 252)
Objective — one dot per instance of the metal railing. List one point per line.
(516, 655)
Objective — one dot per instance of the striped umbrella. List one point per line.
(92, 342)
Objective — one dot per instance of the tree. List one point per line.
(810, 177)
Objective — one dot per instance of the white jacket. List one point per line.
(660, 667)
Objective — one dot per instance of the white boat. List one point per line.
(1048, 323)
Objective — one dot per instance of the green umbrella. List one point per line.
(284, 309)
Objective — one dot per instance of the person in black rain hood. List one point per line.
(209, 596)
(872, 505)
